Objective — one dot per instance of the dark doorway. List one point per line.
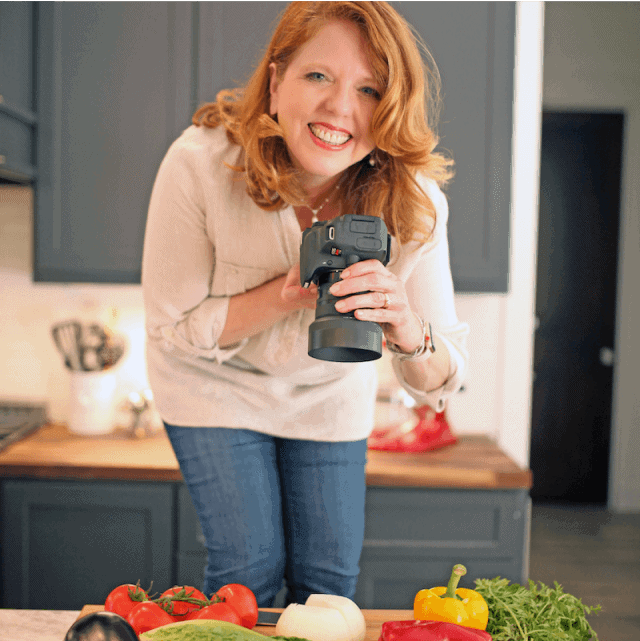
(575, 306)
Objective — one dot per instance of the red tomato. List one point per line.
(147, 616)
(120, 601)
(242, 600)
(181, 608)
(219, 611)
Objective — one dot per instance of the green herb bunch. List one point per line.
(536, 613)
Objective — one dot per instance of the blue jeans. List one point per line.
(273, 509)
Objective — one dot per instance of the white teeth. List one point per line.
(331, 137)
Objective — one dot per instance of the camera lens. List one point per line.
(341, 337)
(345, 340)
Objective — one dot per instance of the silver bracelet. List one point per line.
(426, 345)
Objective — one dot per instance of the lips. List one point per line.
(328, 136)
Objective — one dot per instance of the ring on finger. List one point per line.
(387, 301)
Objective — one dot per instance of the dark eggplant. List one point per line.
(101, 626)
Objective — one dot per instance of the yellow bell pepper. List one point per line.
(452, 604)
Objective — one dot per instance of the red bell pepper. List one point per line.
(430, 631)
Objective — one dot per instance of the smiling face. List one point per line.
(325, 102)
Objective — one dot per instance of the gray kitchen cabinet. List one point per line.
(122, 80)
(68, 543)
(18, 119)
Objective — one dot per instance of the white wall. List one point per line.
(514, 403)
(592, 62)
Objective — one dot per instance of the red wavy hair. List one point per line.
(403, 125)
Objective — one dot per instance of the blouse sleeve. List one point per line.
(178, 263)
(430, 291)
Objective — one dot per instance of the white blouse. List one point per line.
(206, 241)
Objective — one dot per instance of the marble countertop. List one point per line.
(29, 625)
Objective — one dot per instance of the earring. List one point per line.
(372, 161)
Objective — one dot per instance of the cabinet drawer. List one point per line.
(416, 518)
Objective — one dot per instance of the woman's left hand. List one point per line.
(375, 294)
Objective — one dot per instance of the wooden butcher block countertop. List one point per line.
(373, 618)
(53, 452)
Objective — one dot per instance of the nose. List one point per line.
(340, 99)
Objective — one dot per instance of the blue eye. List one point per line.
(315, 75)
(370, 91)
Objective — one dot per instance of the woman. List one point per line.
(272, 443)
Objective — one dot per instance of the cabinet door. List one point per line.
(17, 91)
(66, 544)
(114, 92)
(473, 46)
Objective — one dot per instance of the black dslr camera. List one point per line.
(327, 248)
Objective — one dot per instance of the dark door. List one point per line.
(575, 306)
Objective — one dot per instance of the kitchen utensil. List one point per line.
(67, 337)
(112, 351)
(93, 342)
(268, 618)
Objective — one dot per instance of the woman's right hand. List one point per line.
(293, 292)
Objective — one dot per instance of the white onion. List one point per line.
(347, 608)
(313, 622)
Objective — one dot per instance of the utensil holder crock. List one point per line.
(92, 408)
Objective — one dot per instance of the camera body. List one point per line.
(327, 248)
